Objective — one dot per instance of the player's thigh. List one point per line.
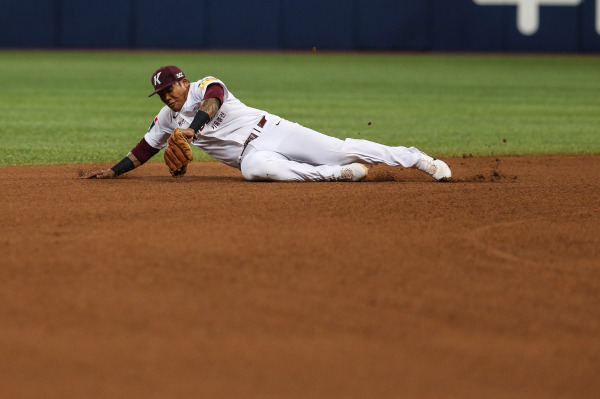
(307, 145)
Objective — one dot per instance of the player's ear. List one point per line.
(185, 83)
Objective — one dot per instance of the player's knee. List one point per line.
(256, 168)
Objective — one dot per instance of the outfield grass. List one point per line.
(87, 107)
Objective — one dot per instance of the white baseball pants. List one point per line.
(287, 151)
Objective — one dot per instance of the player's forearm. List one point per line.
(208, 109)
(127, 164)
(137, 157)
(213, 99)
(210, 106)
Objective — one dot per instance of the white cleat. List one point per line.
(354, 172)
(436, 168)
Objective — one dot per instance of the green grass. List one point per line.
(60, 107)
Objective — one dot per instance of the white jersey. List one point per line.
(223, 137)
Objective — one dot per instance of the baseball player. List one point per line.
(261, 145)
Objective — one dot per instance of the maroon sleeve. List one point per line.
(215, 90)
(144, 151)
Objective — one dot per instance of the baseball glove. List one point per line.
(178, 153)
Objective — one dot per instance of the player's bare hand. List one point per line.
(189, 133)
(99, 174)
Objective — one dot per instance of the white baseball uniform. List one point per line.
(266, 147)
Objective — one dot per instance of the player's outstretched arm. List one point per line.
(128, 163)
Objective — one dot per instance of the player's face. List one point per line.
(175, 95)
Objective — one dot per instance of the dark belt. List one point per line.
(262, 122)
(252, 136)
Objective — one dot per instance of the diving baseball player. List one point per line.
(261, 145)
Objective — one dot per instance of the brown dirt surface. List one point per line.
(209, 286)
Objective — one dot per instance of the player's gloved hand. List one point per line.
(99, 174)
(178, 153)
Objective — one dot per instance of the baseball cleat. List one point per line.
(436, 168)
(354, 172)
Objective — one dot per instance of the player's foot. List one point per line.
(354, 172)
(436, 168)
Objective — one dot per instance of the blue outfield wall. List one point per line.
(421, 25)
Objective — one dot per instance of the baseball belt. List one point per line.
(252, 136)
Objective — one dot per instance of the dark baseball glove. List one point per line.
(178, 153)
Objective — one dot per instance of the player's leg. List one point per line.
(306, 145)
(371, 152)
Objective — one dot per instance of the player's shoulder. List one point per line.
(205, 82)
(165, 116)
(165, 112)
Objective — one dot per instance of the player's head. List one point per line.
(171, 85)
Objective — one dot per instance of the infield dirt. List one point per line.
(212, 287)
